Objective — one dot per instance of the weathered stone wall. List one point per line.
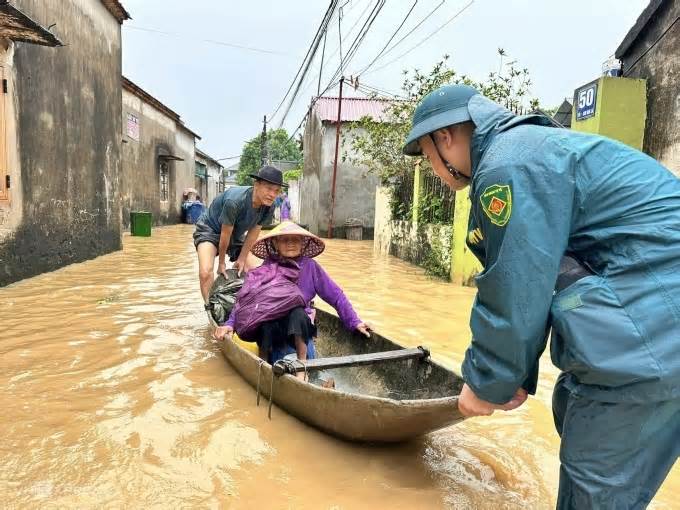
(159, 135)
(311, 169)
(354, 185)
(661, 67)
(426, 245)
(293, 193)
(440, 249)
(65, 123)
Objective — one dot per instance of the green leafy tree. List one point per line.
(292, 175)
(279, 148)
(379, 143)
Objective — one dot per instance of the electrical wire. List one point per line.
(379, 4)
(360, 37)
(364, 87)
(304, 66)
(394, 34)
(211, 41)
(310, 109)
(295, 93)
(425, 39)
(436, 8)
(368, 5)
(323, 53)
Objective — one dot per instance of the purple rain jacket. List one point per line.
(312, 281)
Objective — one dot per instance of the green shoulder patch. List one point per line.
(497, 203)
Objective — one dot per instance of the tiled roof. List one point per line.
(563, 114)
(117, 10)
(647, 16)
(353, 108)
(18, 26)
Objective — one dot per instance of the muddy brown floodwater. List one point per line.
(114, 395)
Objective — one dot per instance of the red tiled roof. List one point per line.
(353, 108)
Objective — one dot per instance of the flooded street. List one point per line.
(114, 395)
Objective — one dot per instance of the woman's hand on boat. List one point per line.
(364, 329)
(470, 404)
(222, 332)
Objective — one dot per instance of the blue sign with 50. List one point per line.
(585, 99)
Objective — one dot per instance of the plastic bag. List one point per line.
(223, 295)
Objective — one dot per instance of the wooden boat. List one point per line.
(394, 399)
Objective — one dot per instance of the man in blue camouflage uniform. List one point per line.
(581, 234)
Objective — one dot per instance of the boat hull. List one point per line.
(369, 403)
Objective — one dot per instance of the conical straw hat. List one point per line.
(311, 245)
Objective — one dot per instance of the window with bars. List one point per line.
(164, 180)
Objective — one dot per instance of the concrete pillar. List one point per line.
(417, 186)
(382, 232)
(612, 107)
(464, 265)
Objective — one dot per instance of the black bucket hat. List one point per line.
(269, 174)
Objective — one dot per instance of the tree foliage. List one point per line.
(279, 148)
(292, 175)
(380, 143)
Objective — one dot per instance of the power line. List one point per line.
(426, 38)
(298, 86)
(210, 41)
(350, 54)
(323, 52)
(364, 87)
(368, 5)
(394, 34)
(436, 8)
(314, 100)
(323, 26)
(360, 36)
(340, 35)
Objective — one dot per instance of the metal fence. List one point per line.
(435, 205)
(437, 201)
(402, 197)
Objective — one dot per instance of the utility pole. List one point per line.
(335, 161)
(263, 142)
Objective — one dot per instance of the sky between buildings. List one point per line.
(181, 51)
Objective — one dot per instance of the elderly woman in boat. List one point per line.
(274, 308)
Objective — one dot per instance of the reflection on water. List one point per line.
(114, 395)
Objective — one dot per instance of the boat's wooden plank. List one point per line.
(293, 367)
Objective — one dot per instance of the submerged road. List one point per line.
(114, 395)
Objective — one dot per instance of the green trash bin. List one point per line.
(140, 223)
